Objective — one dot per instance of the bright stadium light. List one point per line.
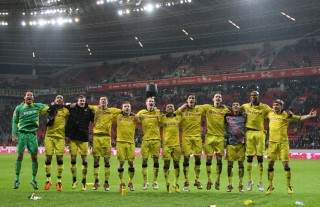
(234, 24)
(289, 17)
(23, 23)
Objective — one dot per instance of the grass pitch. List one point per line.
(305, 180)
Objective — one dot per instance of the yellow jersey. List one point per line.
(170, 126)
(215, 119)
(126, 127)
(150, 121)
(191, 120)
(103, 119)
(57, 129)
(256, 115)
(278, 126)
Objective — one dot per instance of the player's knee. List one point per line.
(185, 164)
(260, 159)
(59, 162)
(96, 166)
(197, 162)
(84, 163)
(73, 162)
(208, 163)
(270, 169)
(144, 165)
(176, 165)
(156, 165)
(250, 159)
(47, 162)
(131, 169)
(120, 170)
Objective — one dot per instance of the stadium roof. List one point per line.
(182, 26)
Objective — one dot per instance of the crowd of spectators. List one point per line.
(300, 96)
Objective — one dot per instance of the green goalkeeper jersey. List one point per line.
(26, 118)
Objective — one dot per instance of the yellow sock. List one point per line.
(241, 174)
(155, 174)
(74, 170)
(209, 168)
(84, 172)
(145, 174)
(230, 176)
(166, 175)
(270, 177)
(249, 169)
(260, 171)
(48, 172)
(131, 174)
(120, 174)
(59, 172)
(197, 171)
(186, 173)
(96, 173)
(176, 175)
(106, 173)
(218, 171)
(288, 177)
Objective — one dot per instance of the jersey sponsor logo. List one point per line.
(28, 112)
(275, 119)
(126, 119)
(171, 124)
(192, 114)
(103, 112)
(216, 113)
(149, 117)
(253, 112)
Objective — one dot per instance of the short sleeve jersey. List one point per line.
(191, 120)
(278, 126)
(126, 126)
(170, 127)
(150, 123)
(215, 119)
(256, 115)
(103, 119)
(57, 130)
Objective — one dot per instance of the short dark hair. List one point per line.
(81, 96)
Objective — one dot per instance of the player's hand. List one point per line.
(14, 140)
(184, 107)
(313, 113)
(72, 105)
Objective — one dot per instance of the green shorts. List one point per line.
(28, 140)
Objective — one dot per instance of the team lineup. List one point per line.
(239, 129)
